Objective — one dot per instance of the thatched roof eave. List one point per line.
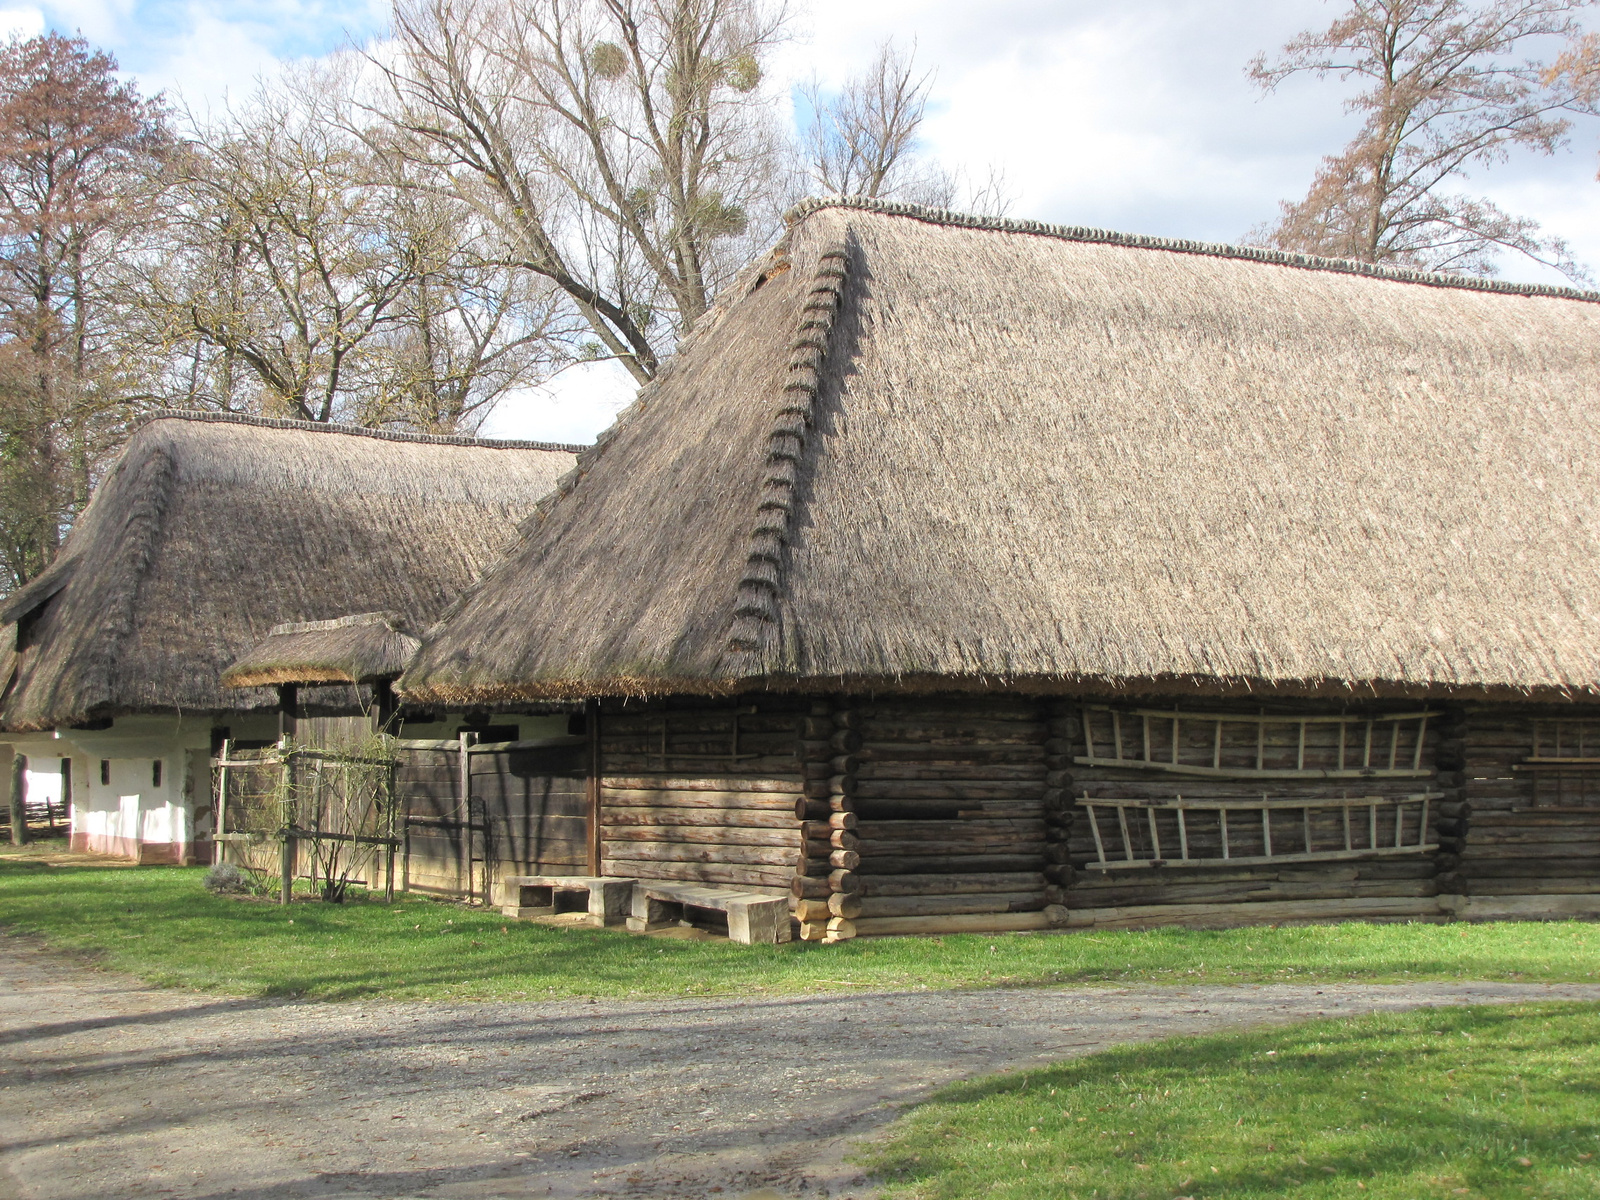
(1084, 687)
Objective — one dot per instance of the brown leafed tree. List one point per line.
(78, 152)
(1445, 85)
(621, 148)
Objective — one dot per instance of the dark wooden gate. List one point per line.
(477, 813)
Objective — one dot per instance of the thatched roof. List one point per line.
(361, 648)
(913, 448)
(209, 531)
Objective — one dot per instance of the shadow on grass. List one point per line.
(1496, 1101)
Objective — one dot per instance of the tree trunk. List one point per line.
(19, 817)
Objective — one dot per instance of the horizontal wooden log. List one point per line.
(919, 810)
(687, 798)
(1549, 850)
(873, 751)
(752, 818)
(680, 782)
(1224, 915)
(1218, 893)
(874, 847)
(844, 859)
(713, 835)
(940, 831)
(689, 852)
(1538, 886)
(1538, 819)
(962, 730)
(842, 904)
(922, 906)
(1527, 868)
(989, 773)
(681, 764)
(936, 885)
(810, 887)
(811, 910)
(843, 881)
(954, 863)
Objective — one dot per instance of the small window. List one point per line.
(155, 773)
(105, 772)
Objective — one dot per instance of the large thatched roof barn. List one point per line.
(1018, 559)
(207, 532)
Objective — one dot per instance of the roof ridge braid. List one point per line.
(384, 435)
(756, 612)
(1139, 241)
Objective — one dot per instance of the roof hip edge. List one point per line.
(1084, 233)
(386, 435)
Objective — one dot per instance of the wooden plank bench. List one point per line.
(602, 897)
(754, 918)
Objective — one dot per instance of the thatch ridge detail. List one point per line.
(757, 609)
(387, 435)
(1140, 241)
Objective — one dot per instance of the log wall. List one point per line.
(949, 800)
(1526, 832)
(702, 790)
(1280, 750)
(900, 814)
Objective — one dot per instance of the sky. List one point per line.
(1134, 115)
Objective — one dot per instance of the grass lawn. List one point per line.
(161, 924)
(1477, 1102)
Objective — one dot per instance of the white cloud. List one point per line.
(21, 22)
(573, 407)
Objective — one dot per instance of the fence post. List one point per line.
(388, 850)
(286, 863)
(220, 851)
(464, 745)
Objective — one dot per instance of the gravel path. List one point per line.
(112, 1089)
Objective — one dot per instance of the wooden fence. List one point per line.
(456, 814)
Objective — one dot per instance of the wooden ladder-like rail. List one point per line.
(1130, 857)
(1132, 748)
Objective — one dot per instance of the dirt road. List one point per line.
(111, 1089)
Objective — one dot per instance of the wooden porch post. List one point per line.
(19, 816)
(592, 726)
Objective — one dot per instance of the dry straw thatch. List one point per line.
(209, 531)
(361, 648)
(1042, 458)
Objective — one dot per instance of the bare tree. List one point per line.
(297, 274)
(1444, 88)
(621, 148)
(78, 150)
(862, 141)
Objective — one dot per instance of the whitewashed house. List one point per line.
(207, 532)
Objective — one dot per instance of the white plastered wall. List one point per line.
(118, 807)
